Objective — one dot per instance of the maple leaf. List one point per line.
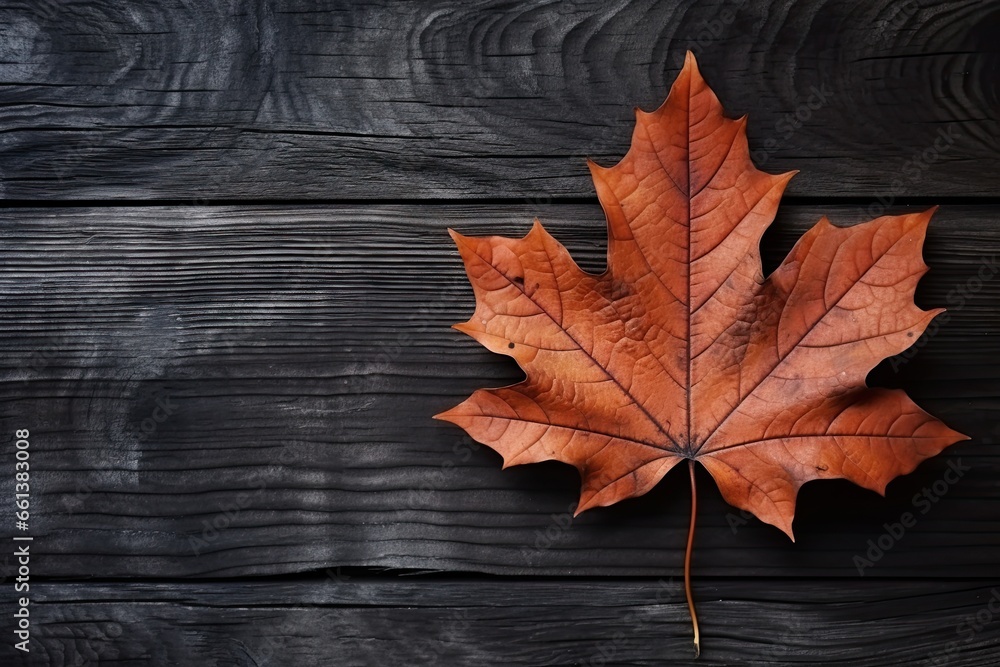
(682, 349)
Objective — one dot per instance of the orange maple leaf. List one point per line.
(682, 349)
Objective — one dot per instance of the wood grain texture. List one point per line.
(415, 621)
(232, 391)
(361, 100)
(219, 393)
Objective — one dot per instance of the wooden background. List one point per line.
(225, 292)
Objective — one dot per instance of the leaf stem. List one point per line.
(687, 562)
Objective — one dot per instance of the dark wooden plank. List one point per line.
(286, 362)
(364, 623)
(376, 100)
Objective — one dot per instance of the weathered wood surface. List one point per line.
(416, 621)
(217, 393)
(286, 362)
(386, 100)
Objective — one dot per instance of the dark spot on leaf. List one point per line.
(821, 468)
(510, 345)
(909, 334)
(519, 280)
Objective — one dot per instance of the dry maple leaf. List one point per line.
(682, 350)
